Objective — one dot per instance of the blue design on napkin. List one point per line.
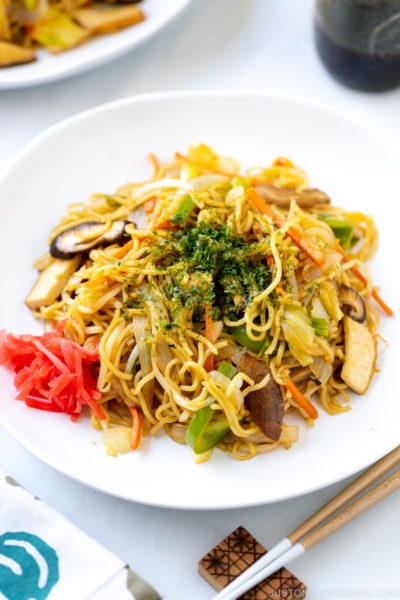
(28, 566)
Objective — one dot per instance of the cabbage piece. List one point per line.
(29, 12)
(298, 333)
(188, 172)
(5, 30)
(321, 327)
(212, 180)
(318, 311)
(343, 230)
(330, 301)
(141, 327)
(304, 358)
(321, 368)
(205, 157)
(57, 32)
(294, 316)
(117, 440)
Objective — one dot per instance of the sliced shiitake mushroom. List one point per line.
(283, 196)
(86, 236)
(355, 302)
(266, 406)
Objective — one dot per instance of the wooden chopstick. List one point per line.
(371, 498)
(378, 493)
(360, 484)
(370, 476)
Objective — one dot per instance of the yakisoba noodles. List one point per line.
(206, 303)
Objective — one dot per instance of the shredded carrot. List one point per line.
(96, 281)
(361, 277)
(209, 363)
(122, 252)
(201, 168)
(304, 245)
(256, 180)
(149, 205)
(136, 427)
(164, 225)
(300, 399)
(155, 164)
(270, 261)
(253, 181)
(263, 207)
(299, 239)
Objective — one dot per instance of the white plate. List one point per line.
(101, 149)
(95, 51)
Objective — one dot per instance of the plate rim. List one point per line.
(154, 97)
(179, 94)
(96, 61)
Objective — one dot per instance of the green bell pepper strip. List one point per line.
(321, 327)
(239, 333)
(241, 181)
(201, 435)
(29, 4)
(212, 435)
(228, 370)
(343, 230)
(184, 210)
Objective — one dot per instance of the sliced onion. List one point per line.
(228, 351)
(43, 262)
(289, 435)
(306, 300)
(131, 360)
(164, 353)
(293, 283)
(330, 301)
(304, 358)
(332, 258)
(190, 404)
(200, 458)
(207, 181)
(141, 328)
(116, 440)
(298, 333)
(224, 382)
(312, 272)
(161, 184)
(139, 218)
(178, 431)
(28, 17)
(218, 327)
(318, 311)
(321, 368)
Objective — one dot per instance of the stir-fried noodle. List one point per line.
(208, 266)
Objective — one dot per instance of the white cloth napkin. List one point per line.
(43, 556)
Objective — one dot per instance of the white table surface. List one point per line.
(265, 44)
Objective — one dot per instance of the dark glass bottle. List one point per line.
(359, 42)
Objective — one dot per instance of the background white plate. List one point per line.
(95, 51)
(105, 147)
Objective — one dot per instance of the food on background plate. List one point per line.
(203, 302)
(58, 25)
